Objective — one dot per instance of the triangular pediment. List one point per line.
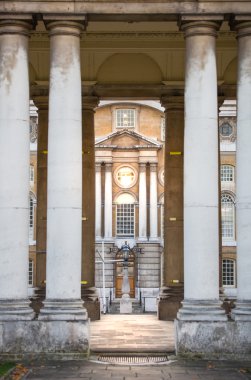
(127, 139)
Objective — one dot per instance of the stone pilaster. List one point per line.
(153, 203)
(14, 169)
(172, 291)
(242, 312)
(201, 203)
(98, 203)
(64, 206)
(142, 203)
(88, 290)
(108, 202)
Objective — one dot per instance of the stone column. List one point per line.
(14, 170)
(108, 201)
(42, 151)
(98, 210)
(201, 201)
(153, 203)
(242, 311)
(64, 208)
(88, 290)
(142, 202)
(172, 291)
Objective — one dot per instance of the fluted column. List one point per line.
(172, 290)
(64, 208)
(201, 214)
(108, 201)
(98, 209)
(142, 203)
(14, 170)
(153, 203)
(88, 290)
(243, 173)
(42, 151)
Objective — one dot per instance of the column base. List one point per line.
(142, 239)
(91, 302)
(169, 302)
(201, 310)
(53, 340)
(63, 310)
(242, 311)
(16, 310)
(213, 340)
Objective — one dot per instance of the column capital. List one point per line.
(41, 102)
(242, 25)
(172, 102)
(199, 26)
(153, 166)
(89, 103)
(13, 25)
(98, 166)
(108, 166)
(142, 167)
(63, 25)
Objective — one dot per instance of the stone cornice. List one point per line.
(103, 9)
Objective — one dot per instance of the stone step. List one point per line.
(114, 308)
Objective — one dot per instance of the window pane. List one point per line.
(125, 220)
(30, 272)
(227, 216)
(228, 272)
(125, 118)
(227, 173)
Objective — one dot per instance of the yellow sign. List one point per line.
(83, 282)
(175, 153)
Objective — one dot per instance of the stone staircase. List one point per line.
(114, 308)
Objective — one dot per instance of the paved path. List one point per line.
(132, 333)
(136, 333)
(180, 370)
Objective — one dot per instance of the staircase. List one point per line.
(114, 308)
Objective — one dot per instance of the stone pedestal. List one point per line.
(51, 339)
(125, 304)
(213, 340)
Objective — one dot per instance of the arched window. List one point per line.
(227, 173)
(31, 271)
(32, 207)
(228, 273)
(227, 217)
(125, 215)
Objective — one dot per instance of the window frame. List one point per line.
(225, 276)
(227, 166)
(232, 237)
(129, 110)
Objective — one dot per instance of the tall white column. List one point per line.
(14, 170)
(142, 202)
(153, 203)
(98, 201)
(64, 207)
(243, 173)
(201, 221)
(108, 201)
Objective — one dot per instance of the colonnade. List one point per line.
(64, 196)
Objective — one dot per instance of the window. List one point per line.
(226, 130)
(31, 217)
(30, 280)
(227, 173)
(125, 118)
(227, 217)
(163, 128)
(228, 273)
(31, 174)
(125, 177)
(125, 215)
